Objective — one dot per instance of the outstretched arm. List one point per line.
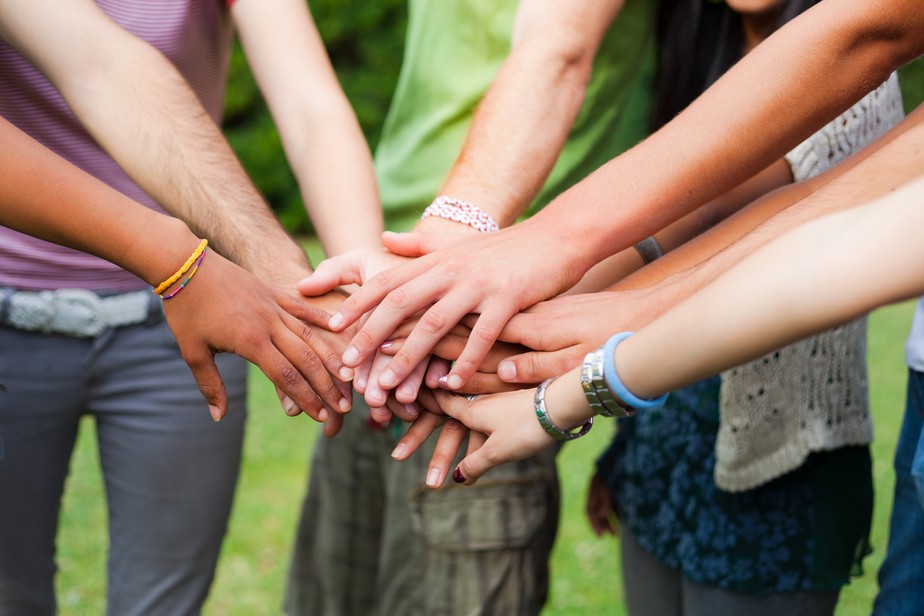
(773, 99)
(225, 308)
(811, 279)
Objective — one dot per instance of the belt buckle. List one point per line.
(77, 312)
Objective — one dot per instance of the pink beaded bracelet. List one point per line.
(461, 211)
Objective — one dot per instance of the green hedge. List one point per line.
(365, 42)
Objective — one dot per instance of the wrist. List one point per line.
(461, 211)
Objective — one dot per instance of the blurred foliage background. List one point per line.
(365, 42)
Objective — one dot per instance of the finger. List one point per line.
(380, 414)
(483, 336)
(375, 394)
(438, 369)
(332, 273)
(488, 383)
(332, 425)
(405, 412)
(447, 446)
(288, 404)
(537, 366)
(328, 355)
(475, 464)
(431, 328)
(416, 244)
(406, 392)
(310, 367)
(383, 287)
(475, 441)
(208, 380)
(302, 310)
(419, 431)
(361, 375)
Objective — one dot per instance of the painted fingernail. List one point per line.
(350, 356)
(443, 381)
(346, 374)
(457, 476)
(398, 453)
(215, 412)
(336, 321)
(433, 478)
(345, 405)
(386, 344)
(507, 370)
(388, 379)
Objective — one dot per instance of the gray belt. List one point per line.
(75, 312)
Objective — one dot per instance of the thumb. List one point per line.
(416, 244)
(208, 379)
(331, 273)
(537, 366)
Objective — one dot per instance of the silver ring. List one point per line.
(471, 397)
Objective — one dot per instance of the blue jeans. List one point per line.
(901, 578)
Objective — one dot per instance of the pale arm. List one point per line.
(773, 99)
(320, 134)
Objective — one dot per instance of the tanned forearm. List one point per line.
(806, 73)
(525, 117)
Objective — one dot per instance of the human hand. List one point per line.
(561, 331)
(494, 275)
(227, 309)
(601, 513)
(351, 268)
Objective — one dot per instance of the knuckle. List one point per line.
(397, 299)
(432, 322)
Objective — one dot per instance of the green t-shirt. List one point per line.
(453, 51)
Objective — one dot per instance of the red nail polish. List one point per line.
(457, 476)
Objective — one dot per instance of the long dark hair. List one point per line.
(698, 40)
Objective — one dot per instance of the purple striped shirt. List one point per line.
(193, 34)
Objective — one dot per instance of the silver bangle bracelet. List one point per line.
(551, 429)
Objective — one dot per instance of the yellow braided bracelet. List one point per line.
(159, 289)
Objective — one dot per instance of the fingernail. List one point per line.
(346, 374)
(388, 379)
(507, 370)
(215, 412)
(443, 381)
(336, 321)
(411, 410)
(288, 404)
(457, 476)
(454, 382)
(386, 344)
(406, 390)
(351, 355)
(345, 405)
(360, 384)
(433, 478)
(398, 453)
(322, 415)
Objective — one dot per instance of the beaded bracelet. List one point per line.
(159, 289)
(546, 422)
(192, 272)
(461, 211)
(615, 384)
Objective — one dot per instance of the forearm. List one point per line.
(46, 197)
(320, 133)
(525, 117)
(139, 108)
(707, 149)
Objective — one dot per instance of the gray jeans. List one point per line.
(169, 470)
(653, 589)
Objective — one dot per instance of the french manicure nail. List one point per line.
(336, 321)
(457, 476)
(351, 355)
(433, 478)
(398, 453)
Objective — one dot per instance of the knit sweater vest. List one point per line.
(811, 395)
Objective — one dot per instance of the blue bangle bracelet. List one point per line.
(615, 384)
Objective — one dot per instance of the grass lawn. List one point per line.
(586, 579)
